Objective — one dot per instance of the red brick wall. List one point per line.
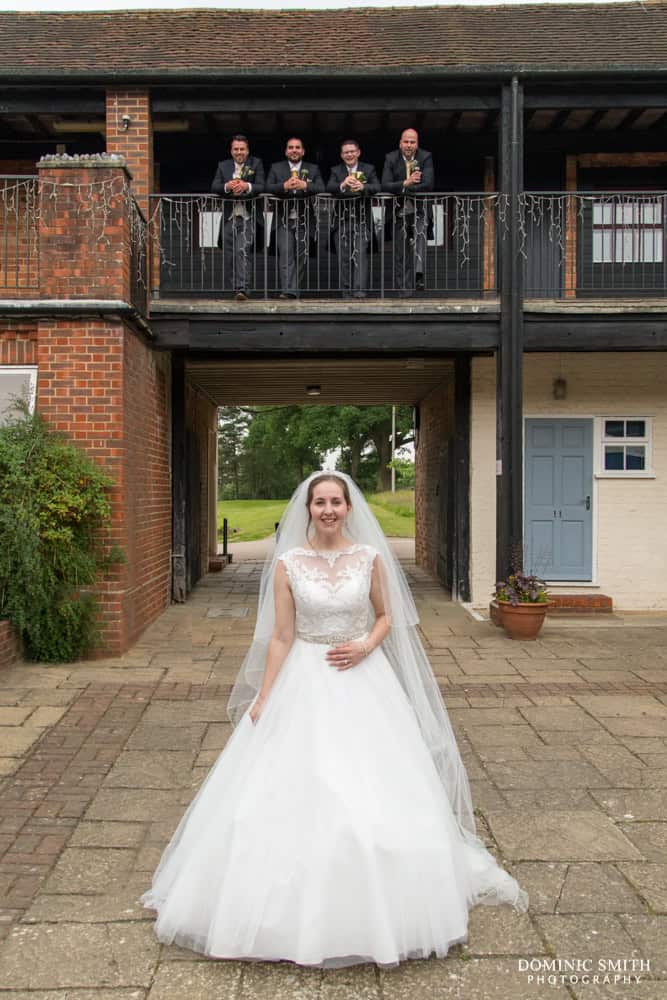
(147, 442)
(18, 343)
(434, 420)
(10, 644)
(136, 142)
(84, 232)
(107, 391)
(201, 417)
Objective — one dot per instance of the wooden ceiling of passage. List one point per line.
(351, 381)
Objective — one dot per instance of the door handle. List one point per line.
(588, 503)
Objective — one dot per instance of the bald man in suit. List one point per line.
(409, 170)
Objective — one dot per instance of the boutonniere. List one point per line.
(246, 172)
(303, 174)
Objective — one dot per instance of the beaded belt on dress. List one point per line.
(332, 639)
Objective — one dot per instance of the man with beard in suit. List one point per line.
(239, 179)
(295, 181)
(353, 182)
(409, 170)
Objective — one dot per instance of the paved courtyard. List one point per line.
(565, 740)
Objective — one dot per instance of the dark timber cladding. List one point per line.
(458, 524)
(179, 488)
(509, 393)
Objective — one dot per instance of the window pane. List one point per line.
(651, 248)
(635, 428)
(613, 458)
(614, 428)
(635, 457)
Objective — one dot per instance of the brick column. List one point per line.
(84, 230)
(101, 385)
(130, 133)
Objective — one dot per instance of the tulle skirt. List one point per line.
(322, 834)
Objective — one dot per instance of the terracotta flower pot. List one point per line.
(522, 621)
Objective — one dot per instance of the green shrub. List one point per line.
(54, 520)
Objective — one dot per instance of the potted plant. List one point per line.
(522, 602)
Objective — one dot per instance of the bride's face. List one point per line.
(328, 509)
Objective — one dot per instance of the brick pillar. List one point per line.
(101, 385)
(84, 234)
(130, 133)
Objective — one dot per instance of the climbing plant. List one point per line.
(55, 516)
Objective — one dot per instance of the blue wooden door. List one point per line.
(558, 514)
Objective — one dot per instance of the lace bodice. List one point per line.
(331, 592)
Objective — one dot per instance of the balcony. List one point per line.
(579, 250)
(324, 247)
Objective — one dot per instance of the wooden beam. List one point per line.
(458, 544)
(271, 101)
(559, 120)
(509, 368)
(630, 119)
(489, 230)
(590, 160)
(596, 118)
(586, 99)
(595, 333)
(571, 215)
(281, 335)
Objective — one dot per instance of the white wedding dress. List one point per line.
(322, 834)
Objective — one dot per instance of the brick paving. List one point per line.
(565, 741)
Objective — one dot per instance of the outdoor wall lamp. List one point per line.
(560, 388)
(313, 390)
(126, 122)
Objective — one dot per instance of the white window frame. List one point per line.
(31, 372)
(628, 232)
(647, 442)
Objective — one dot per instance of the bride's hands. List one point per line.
(348, 654)
(256, 709)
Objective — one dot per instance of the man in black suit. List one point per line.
(409, 170)
(295, 181)
(239, 180)
(352, 182)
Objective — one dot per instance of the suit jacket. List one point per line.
(225, 172)
(280, 172)
(339, 173)
(393, 173)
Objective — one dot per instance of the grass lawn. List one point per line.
(252, 519)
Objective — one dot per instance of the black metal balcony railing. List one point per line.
(19, 236)
(138, 258)
(324, 247)
(602, 244)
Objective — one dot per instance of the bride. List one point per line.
(336, 826)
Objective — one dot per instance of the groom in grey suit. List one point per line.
(353, 182)
(239, 180)
(295, 181)
(409, 170)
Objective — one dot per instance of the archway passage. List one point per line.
(438, 388)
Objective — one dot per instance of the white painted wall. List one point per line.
(630, 515)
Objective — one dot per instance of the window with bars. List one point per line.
(628, 232)
(626, 443)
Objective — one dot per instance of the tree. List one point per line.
(233, 423)
(266, 451)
